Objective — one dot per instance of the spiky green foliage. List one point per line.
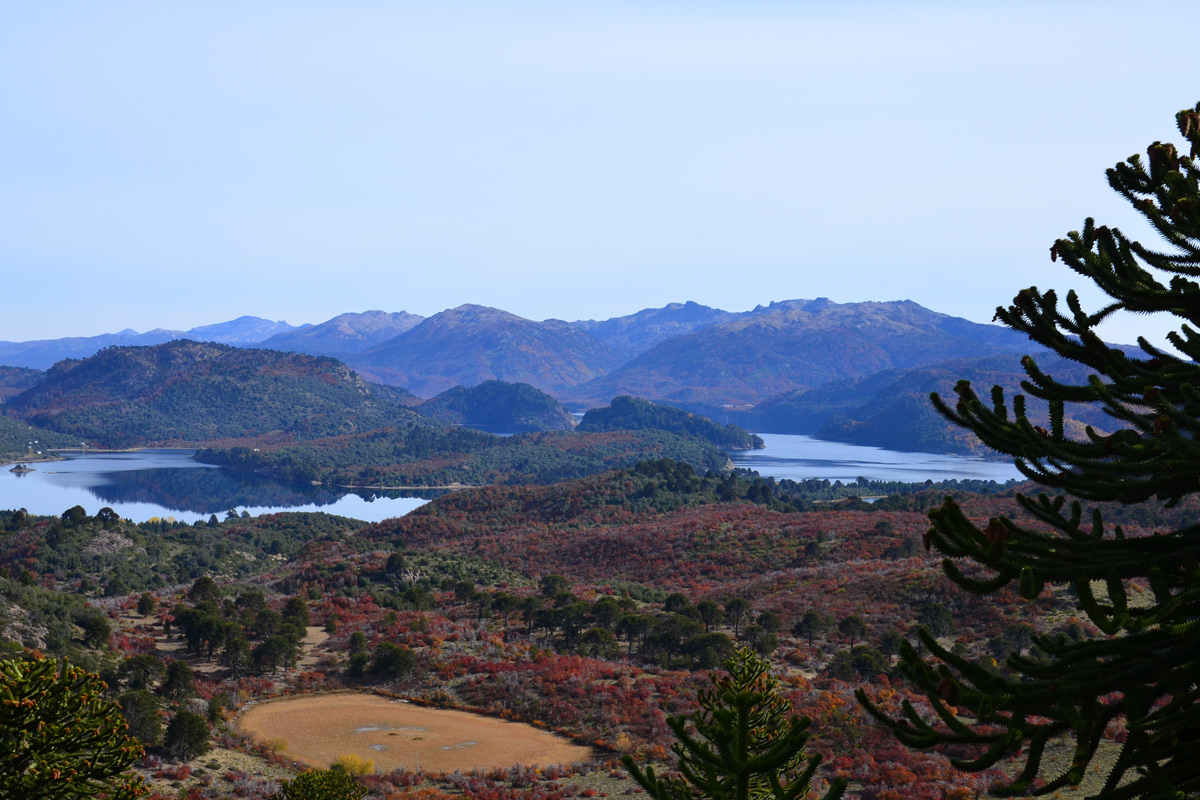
(59, 737)
(743, 744)
(1141, 674)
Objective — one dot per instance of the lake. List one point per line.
(803, 457)
(167, 483)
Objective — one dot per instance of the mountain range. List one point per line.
(44, 353)
(839, 370)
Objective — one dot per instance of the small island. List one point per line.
(21, 469)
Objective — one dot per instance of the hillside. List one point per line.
(498, 407)
(184, 392)
(791, 345)
(471, 344)
(891, 408)
(634, 334)
(14, 380)
(632, 414)
(344, 334)
(591, 608)
(16, 436)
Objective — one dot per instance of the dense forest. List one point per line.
(631, 414)
(499, 407)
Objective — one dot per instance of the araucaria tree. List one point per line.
(1142, 674)
(743, 744)
(59, 737)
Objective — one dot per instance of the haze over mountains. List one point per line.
(756, 368)
(43, 353)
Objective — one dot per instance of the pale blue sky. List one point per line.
(177, 164)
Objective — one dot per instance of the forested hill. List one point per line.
(431, 457)
(16, 437)
(185, 392)
(14, 380)
(632, 413)
(499, 407)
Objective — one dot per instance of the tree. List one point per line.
(95, 625)
(204, 588)
(75, 515)
(140, 710)
(297, 609)
(392, 660)
(736, 609)
(606, 611)
(812, 625)
(59, 738)
(186, 736)
(853, 627)
(147, 603)
(395, 564)
(744, 743)
(180, 681)
(141, 671)
(551, 585)
(236, 655)
(1140, 673)
(332, 784)
(599, 643)
(710, 614)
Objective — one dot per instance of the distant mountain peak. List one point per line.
(470, 344)
(345, 334)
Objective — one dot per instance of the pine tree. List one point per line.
(744, 743)
(1141, 672)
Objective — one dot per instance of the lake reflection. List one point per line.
(803, 457)
(162, 483)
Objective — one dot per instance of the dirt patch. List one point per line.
(314, 638)
(392, 733)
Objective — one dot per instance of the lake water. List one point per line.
(167, 483)
(803, 457)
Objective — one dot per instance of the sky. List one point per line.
(168, 165)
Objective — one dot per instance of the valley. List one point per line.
(581, 577)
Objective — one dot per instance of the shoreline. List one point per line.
(453, 487)
(55, 455)
(45, 458)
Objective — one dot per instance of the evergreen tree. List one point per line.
(186, 736)
(743, 744)
(59, 737)
(1141, 672)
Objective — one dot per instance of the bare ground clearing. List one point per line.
(319, 728)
